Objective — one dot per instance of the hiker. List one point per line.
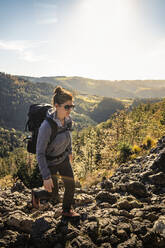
(56, 156)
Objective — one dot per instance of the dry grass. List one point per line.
(95, 177)
(149, 142)
(6, 182)
(136, 149)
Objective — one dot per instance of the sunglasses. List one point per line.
(67, 107)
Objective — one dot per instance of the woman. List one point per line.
(60, 150)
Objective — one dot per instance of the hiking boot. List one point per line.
(70, 213)
(35, 201)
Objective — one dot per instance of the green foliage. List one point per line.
(105, 109)
(136, 102)
(22, 165)
(31, 179)
(16, 95)
(9, 140)
(148, 142)
(106, 124)
(15, 98)
(107, 88)
(125, 151)
(122, 137)
(22, 172)
(136, 149)
(36, 178)
(162, 120)
(94, 148)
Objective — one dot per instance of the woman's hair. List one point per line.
(61, 96)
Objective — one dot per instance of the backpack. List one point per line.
(36, 115)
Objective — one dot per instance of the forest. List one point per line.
(107, 88)
(17, 95)
(107, 131)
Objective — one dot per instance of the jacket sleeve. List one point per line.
(70, 145)
(70, 133)
(42, 143)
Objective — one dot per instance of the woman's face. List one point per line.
(65, 108)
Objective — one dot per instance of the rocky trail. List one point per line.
(124, 211)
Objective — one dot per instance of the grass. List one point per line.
(95, 177)
(91, 99)
(6, 182)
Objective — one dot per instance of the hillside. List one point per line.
(120, 186)
(9, 140)
(125, 210)
(17, 94)
(107, 88)
(124, 136)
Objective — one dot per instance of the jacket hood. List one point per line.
(52, 113)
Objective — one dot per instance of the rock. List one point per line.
(105, 205)
(106, 245)
(58, 245)
(158, 164)
(122, 235)
(139, 228)
(41, 225)
(1, 223)
(125, 214)
(83, 199)
(121, 186)
(137, 189)
(106, 197)
(150, 216)
(149, 238)
(158, 179)
(13, 239)
(126, 227)
(145, 175)
(92, 230)
(81, 241)
(159, 226)
(126, 211)
(136, 204)
(18, 186)
(133, 242)
(113, 239)
(124, 204)
(20, 220)
(107, 185)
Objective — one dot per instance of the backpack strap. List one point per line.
(54, 128)
(26, 126)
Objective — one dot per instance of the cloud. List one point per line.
(46, 5)
(158, 49)
(46, 13)
(48, 21)
(29, 56)
(13, 45)
(24, 49)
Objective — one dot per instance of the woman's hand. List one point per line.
(48, 184)
(71, 158)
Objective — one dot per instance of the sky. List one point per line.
(99, 39)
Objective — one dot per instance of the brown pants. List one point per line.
(66, 172)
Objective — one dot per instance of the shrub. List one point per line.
(125, 151)
(136, 149)
(36, 178)
(22, 173)
(148, 142)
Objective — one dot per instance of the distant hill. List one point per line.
(16, 95)
(107, 88)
